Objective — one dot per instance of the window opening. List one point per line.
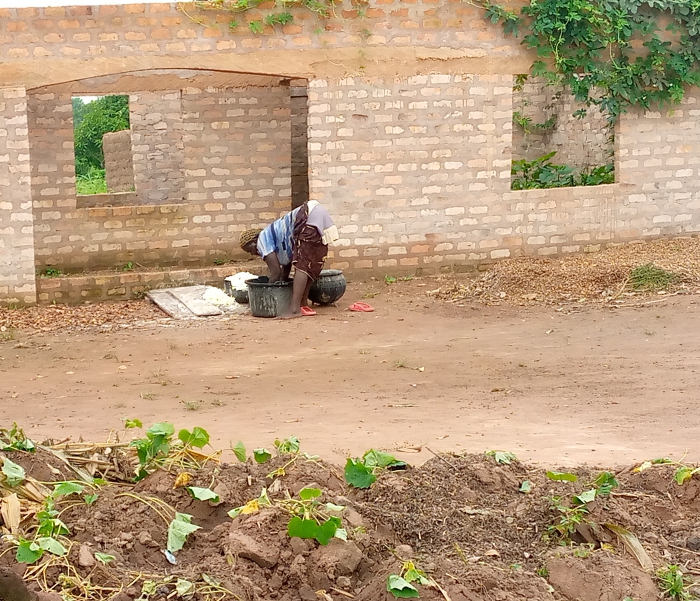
(102, 140)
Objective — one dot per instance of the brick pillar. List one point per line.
(158, 148)
(300, 155)
(17, 278)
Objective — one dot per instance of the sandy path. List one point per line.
(600, 387)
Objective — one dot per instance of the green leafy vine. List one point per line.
(615, 54)
(322, 8)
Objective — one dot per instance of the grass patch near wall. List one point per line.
(93, 182)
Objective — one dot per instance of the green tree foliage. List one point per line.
(91, 121)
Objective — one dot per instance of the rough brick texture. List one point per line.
(234, 150)
(17, 284)
(157, 143)
(119, 165)
(300, 155)
(413, 170)
(411, 156)
(123, 285)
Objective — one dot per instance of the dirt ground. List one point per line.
(562, 385)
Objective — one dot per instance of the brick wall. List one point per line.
(158, 148)
(236, 173)
(579, 142)
(658, 163)
(411, 156)
(238, 153)
(413, 170)
(119, 164)
(17, 283)
(300, 155)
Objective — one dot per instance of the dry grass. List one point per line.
(594, 277)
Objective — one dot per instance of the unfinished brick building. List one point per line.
(408, 113)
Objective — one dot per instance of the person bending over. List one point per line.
(301, 239)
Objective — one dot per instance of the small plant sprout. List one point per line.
(502, 457)
(674, 584)
(362, 473)
(14, 439)
(402, 586)
(160, 448)
(569, 519)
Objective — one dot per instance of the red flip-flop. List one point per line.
(307, 311)
(361, 307)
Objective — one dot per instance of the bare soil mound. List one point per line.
(474, 529)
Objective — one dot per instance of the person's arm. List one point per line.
(273, 264)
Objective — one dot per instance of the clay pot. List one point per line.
(328, 288)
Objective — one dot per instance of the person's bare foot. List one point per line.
(290, 315)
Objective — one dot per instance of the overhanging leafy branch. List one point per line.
(612, 53)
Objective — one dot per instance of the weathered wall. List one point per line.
(119, 165)
(413, 170)
(658, 156)
(235, 165)
(579, 142)
(397, 37)
(157, 143)
(410, 140)
(416, 173)
(300, 154)
(17, 283)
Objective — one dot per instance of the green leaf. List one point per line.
(198, 438)
(301, 528)
(334, 507)
(682, 475)
(526, 487)
(288, 446)
(605, 482)
(562, 476)
(586, 496)
(203, 494)
(104, 558)
(90, 499)
(413, 574)
(51, 545)
(184, 588)
(262, 455)
(14, 474)
(132, 423)
(28, 552)
(401, 589)
(239, 451)
(67, 488)
(178, 531)
(341, 533)
(502, 457)
(306, 494)
(323, 533)
(357, 474)
(373, 458)
(327, 530)
(161, 429)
